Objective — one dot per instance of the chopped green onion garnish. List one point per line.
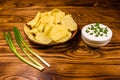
(101, 34)
(87, 31)
(97, 30)
(105, 31)
(96, 35)
(92, 27)
(101, 29)
(91, 33)
(89, 28)
(97, 25)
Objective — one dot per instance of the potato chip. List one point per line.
(67, 37)
(27, 31)
(40, 27)
(32, 37)
(42, 38)
(47, 29)
(58, 14)
(51, 19)
(55, 11)
(58, 32)
(69, 22)
(34, 31)
(38, 23)
(34, 21)
(44, 19)
(47, 19)
(46, 14)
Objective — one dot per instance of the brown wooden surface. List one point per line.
(73, 60)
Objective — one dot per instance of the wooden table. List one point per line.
(73, 60)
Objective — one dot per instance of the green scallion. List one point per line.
(12, 47)
(24, 47)
(16, 31)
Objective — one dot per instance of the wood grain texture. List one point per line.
(73, 60)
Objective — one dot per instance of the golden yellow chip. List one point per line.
(32, 37)
(44, 19)
(67, 37)
(47, 29)
(47, 19)
(69, 22)
(34, 21)
(27, 31)
(51, 19)
(38, 22)
(34, 31)
(40, 27)
(58, 14)
(58, 32)
(42, 38)
(55, 11)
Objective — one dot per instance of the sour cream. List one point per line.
(96, 35)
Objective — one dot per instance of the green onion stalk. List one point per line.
(12, 47)
(21, 40)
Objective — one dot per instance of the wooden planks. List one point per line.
(73, 60)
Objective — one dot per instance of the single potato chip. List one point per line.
(32, 37)
(41, 27)
(67, 37)
(34, 31)
(46, 19)
(51, 19)
(58, 32)
(69, 22)
(42, 38)
(34, 21)
(47, 29)
(58, 14)
(27, 31)
(55, 11)
(38, 22)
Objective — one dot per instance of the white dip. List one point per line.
(96, 34)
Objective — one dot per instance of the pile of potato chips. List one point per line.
(48, 27)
